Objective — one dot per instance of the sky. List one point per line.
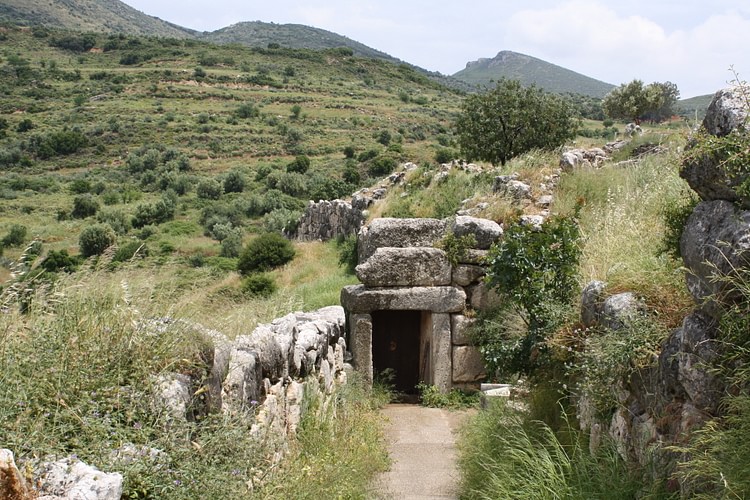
(692, 43)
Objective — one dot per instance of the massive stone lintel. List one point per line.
(440, 299)
(417, 266)
(402, 233)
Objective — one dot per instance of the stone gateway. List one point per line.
(413, 310)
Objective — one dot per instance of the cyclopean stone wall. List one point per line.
(402, 268)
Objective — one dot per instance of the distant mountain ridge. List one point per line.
(298, 36)
(530, 70)
(89, 15)
(117, 17)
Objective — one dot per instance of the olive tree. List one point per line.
(510, 120)
(635, 101)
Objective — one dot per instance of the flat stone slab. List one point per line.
(390, 232)
(440, 299)
(416, 266)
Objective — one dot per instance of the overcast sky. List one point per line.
(689, 42)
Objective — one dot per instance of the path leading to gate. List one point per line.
(421, 443)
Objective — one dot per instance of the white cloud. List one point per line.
(591, 38)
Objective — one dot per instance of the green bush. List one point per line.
(116, 219)
(675, 214)
(349, 152)
(84, 206)
(234, 182)
(209, 189)
(60, 260)
(445, 155)
(15, 237)
(153, 213)
(94, 239)
(382, 165)
(455, 399)
(259, 285)
(300, 165)
(63, 142)
(267, 251)
(346, 247)
(534, 270)
(130, 250)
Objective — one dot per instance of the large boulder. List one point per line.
(704, 170)
(715, 242)
(485, 231)
(698, 349)
(415, 266)
(72, 479)
(401, 233)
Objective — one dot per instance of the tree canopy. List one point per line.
(510, 120)
(635, 102)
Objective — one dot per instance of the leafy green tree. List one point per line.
(635, 102)
(510, 120)
(300, 164)
(234, 182)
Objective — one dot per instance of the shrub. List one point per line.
(95, 239)
(349, 152)
(292, 183)
(534, 270)
(675, 214)
(281, 220)
(60, 260)
(382, 165)
(367, 155)
(15, 237)
(209, 189)
(234, 182)
(445, 155)
(259, 285)
(130, 250)
(24, 125)
(63, 142)
(84, 206)
(80, 186)
(116, 219)
(300, 165)
(265, 252)
(154, 213)
(296, 110)
(346, 246)
(384, 137)
(231, 246)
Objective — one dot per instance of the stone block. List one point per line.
(415, 266)
(482, 297)
(441, 351)
(467, 274)
(460, 328)
(440, 299)
(361, 344)
(485, 231)
(402, 233)
(468, 365)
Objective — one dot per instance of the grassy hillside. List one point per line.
(260, 34)
(88, 15)
(694, 108)
(528, 70)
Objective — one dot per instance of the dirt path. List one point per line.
(421, 443)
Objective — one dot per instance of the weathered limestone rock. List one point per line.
(72, 479)
(576, 158)
(727, 111)
(698, 348)
(441, 351)
(326, 220)
(705, 172)
(172, 394)
(361, 344)
(715, 241)
(512, 188)
(592, 303)
(12, 484)
(415, 266)
(263, 341)
(485, 231)
(242, 387)
(461, 328)
(468, 364)
(441, 299)
(387, 232)
(466, 274)
(619, 310)
(482, 297)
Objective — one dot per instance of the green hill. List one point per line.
(88, 15)
(297, 36)
(695, 107)
(528, 70)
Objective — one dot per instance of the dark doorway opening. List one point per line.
(396, 346)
